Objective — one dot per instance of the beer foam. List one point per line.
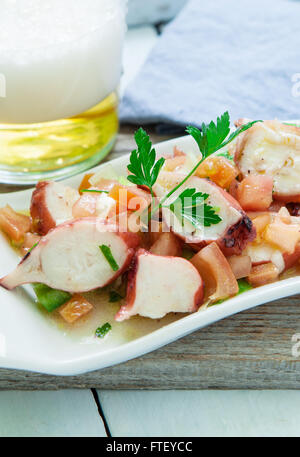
(59, 57)
(31, 24)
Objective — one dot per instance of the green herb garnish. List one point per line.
(32, 247)
(49, 298)
(145, 169)
(102, 331)
(95, 191)
(190, 205)
(244, 286)
(114, 296)
(143, 166)
(106, 251)
(213, 137)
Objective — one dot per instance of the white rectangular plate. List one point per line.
(31, 340)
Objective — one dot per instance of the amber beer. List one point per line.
(60, 66)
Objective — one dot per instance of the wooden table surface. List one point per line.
(251, 350)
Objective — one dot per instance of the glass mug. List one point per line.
(60, 67)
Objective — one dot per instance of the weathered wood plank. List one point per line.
(237, 413)
(37, 414)
(251, 350)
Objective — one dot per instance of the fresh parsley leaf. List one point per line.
(114, 296)
(237, 132)
(102, 331)
(212, 137)
(190, 205)
(95, 191)
(106, 251)
(143, 164)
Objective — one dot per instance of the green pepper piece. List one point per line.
(49, 298)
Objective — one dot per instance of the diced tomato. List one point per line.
(129, 198)
(100, 183)
(30, 239)
(291, 259)
(15, 225)
(219, 169)
(255, 192)
(105, 184)
(85, 205)
(75, 308)
(219, 280)
(263, 274)
(284, 215)
(85, 183)
(167, 244)
(284, 236)
(240, 265)
(156, 229)
(260, 223)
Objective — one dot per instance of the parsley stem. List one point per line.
(204, 156)
(160, 205)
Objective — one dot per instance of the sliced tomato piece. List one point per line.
(75, 308)
(263, 274)
(240, 265)
(14, 224)
(167, 244)
(219, 170)
(260, 223)
(255, 192)
(284, 236)
(218, 277)
(129, 198)
(85, 183)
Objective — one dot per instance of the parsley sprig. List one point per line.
(190, 205)
(145, 169)
(106, 251)
(143, 166)
(214, 136)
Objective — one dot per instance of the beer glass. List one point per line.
(60, 67)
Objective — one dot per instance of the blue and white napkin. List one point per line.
(237, 55)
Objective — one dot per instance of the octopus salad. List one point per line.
(178, 233)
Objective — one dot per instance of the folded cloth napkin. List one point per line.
(237, 55)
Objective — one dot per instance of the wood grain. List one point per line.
(251, 350)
